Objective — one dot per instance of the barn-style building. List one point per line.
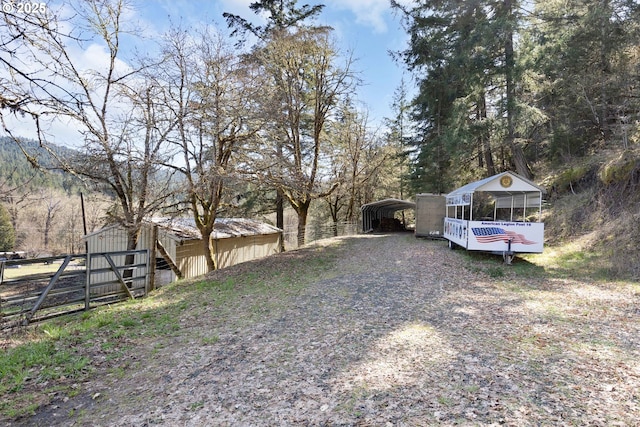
(235, 240)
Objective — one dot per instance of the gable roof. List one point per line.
(508, 189)
(493, 185)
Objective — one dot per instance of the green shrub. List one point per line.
(619, 169)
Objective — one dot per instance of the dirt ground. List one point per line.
(404, 332)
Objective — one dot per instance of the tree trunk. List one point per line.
(132, 242)
(302, 211)
(280, 198)
(47, 229)
(210, 252)
(485, 143)
(519, 160)
(605, 69)
(333, 209)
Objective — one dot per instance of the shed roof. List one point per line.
(224, 228)
(185, 228)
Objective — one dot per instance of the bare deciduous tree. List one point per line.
(214, 95)
(355, 158)
(122, 129)
(308, 85)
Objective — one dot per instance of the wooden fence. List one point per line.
(79, 282)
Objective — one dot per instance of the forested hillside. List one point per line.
(548, 89)
(43, 203)
(34, 167)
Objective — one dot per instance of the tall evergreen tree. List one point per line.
(399, 135)
(281, 15)
(463, 55)
(584, 57)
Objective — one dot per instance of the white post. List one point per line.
(540, 208)
(511, 208)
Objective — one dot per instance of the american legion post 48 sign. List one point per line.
(514, 226)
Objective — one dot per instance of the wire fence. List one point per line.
(316, 231)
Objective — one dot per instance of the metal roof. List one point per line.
(494, 185)
(390, 205)
(185, 228)
(507, 188)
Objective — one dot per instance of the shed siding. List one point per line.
(188, 254)
(111, 239)
(241, 249)
(191, 259)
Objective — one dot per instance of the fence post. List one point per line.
(151, 277)
(87, 289)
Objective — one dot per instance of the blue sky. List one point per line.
(368, 28)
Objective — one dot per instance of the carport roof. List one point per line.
(389, 205)
(382, 209)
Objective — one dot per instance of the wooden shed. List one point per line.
(235, 240)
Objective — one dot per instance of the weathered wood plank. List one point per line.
(169, 260)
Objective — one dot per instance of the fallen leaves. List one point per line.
(396, 331)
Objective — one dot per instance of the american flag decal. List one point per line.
(495, 234)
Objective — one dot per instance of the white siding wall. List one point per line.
(241, 249)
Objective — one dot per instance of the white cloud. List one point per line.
(95, 57)
(372, 13)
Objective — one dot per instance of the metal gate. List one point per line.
(69, 284)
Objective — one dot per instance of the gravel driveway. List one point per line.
(400, 332)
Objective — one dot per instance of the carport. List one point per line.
(374, 213)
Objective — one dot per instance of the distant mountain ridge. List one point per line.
(16, 170)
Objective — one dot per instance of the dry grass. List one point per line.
(598, 213)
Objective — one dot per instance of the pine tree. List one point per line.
(463, 56)
(584, 56)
